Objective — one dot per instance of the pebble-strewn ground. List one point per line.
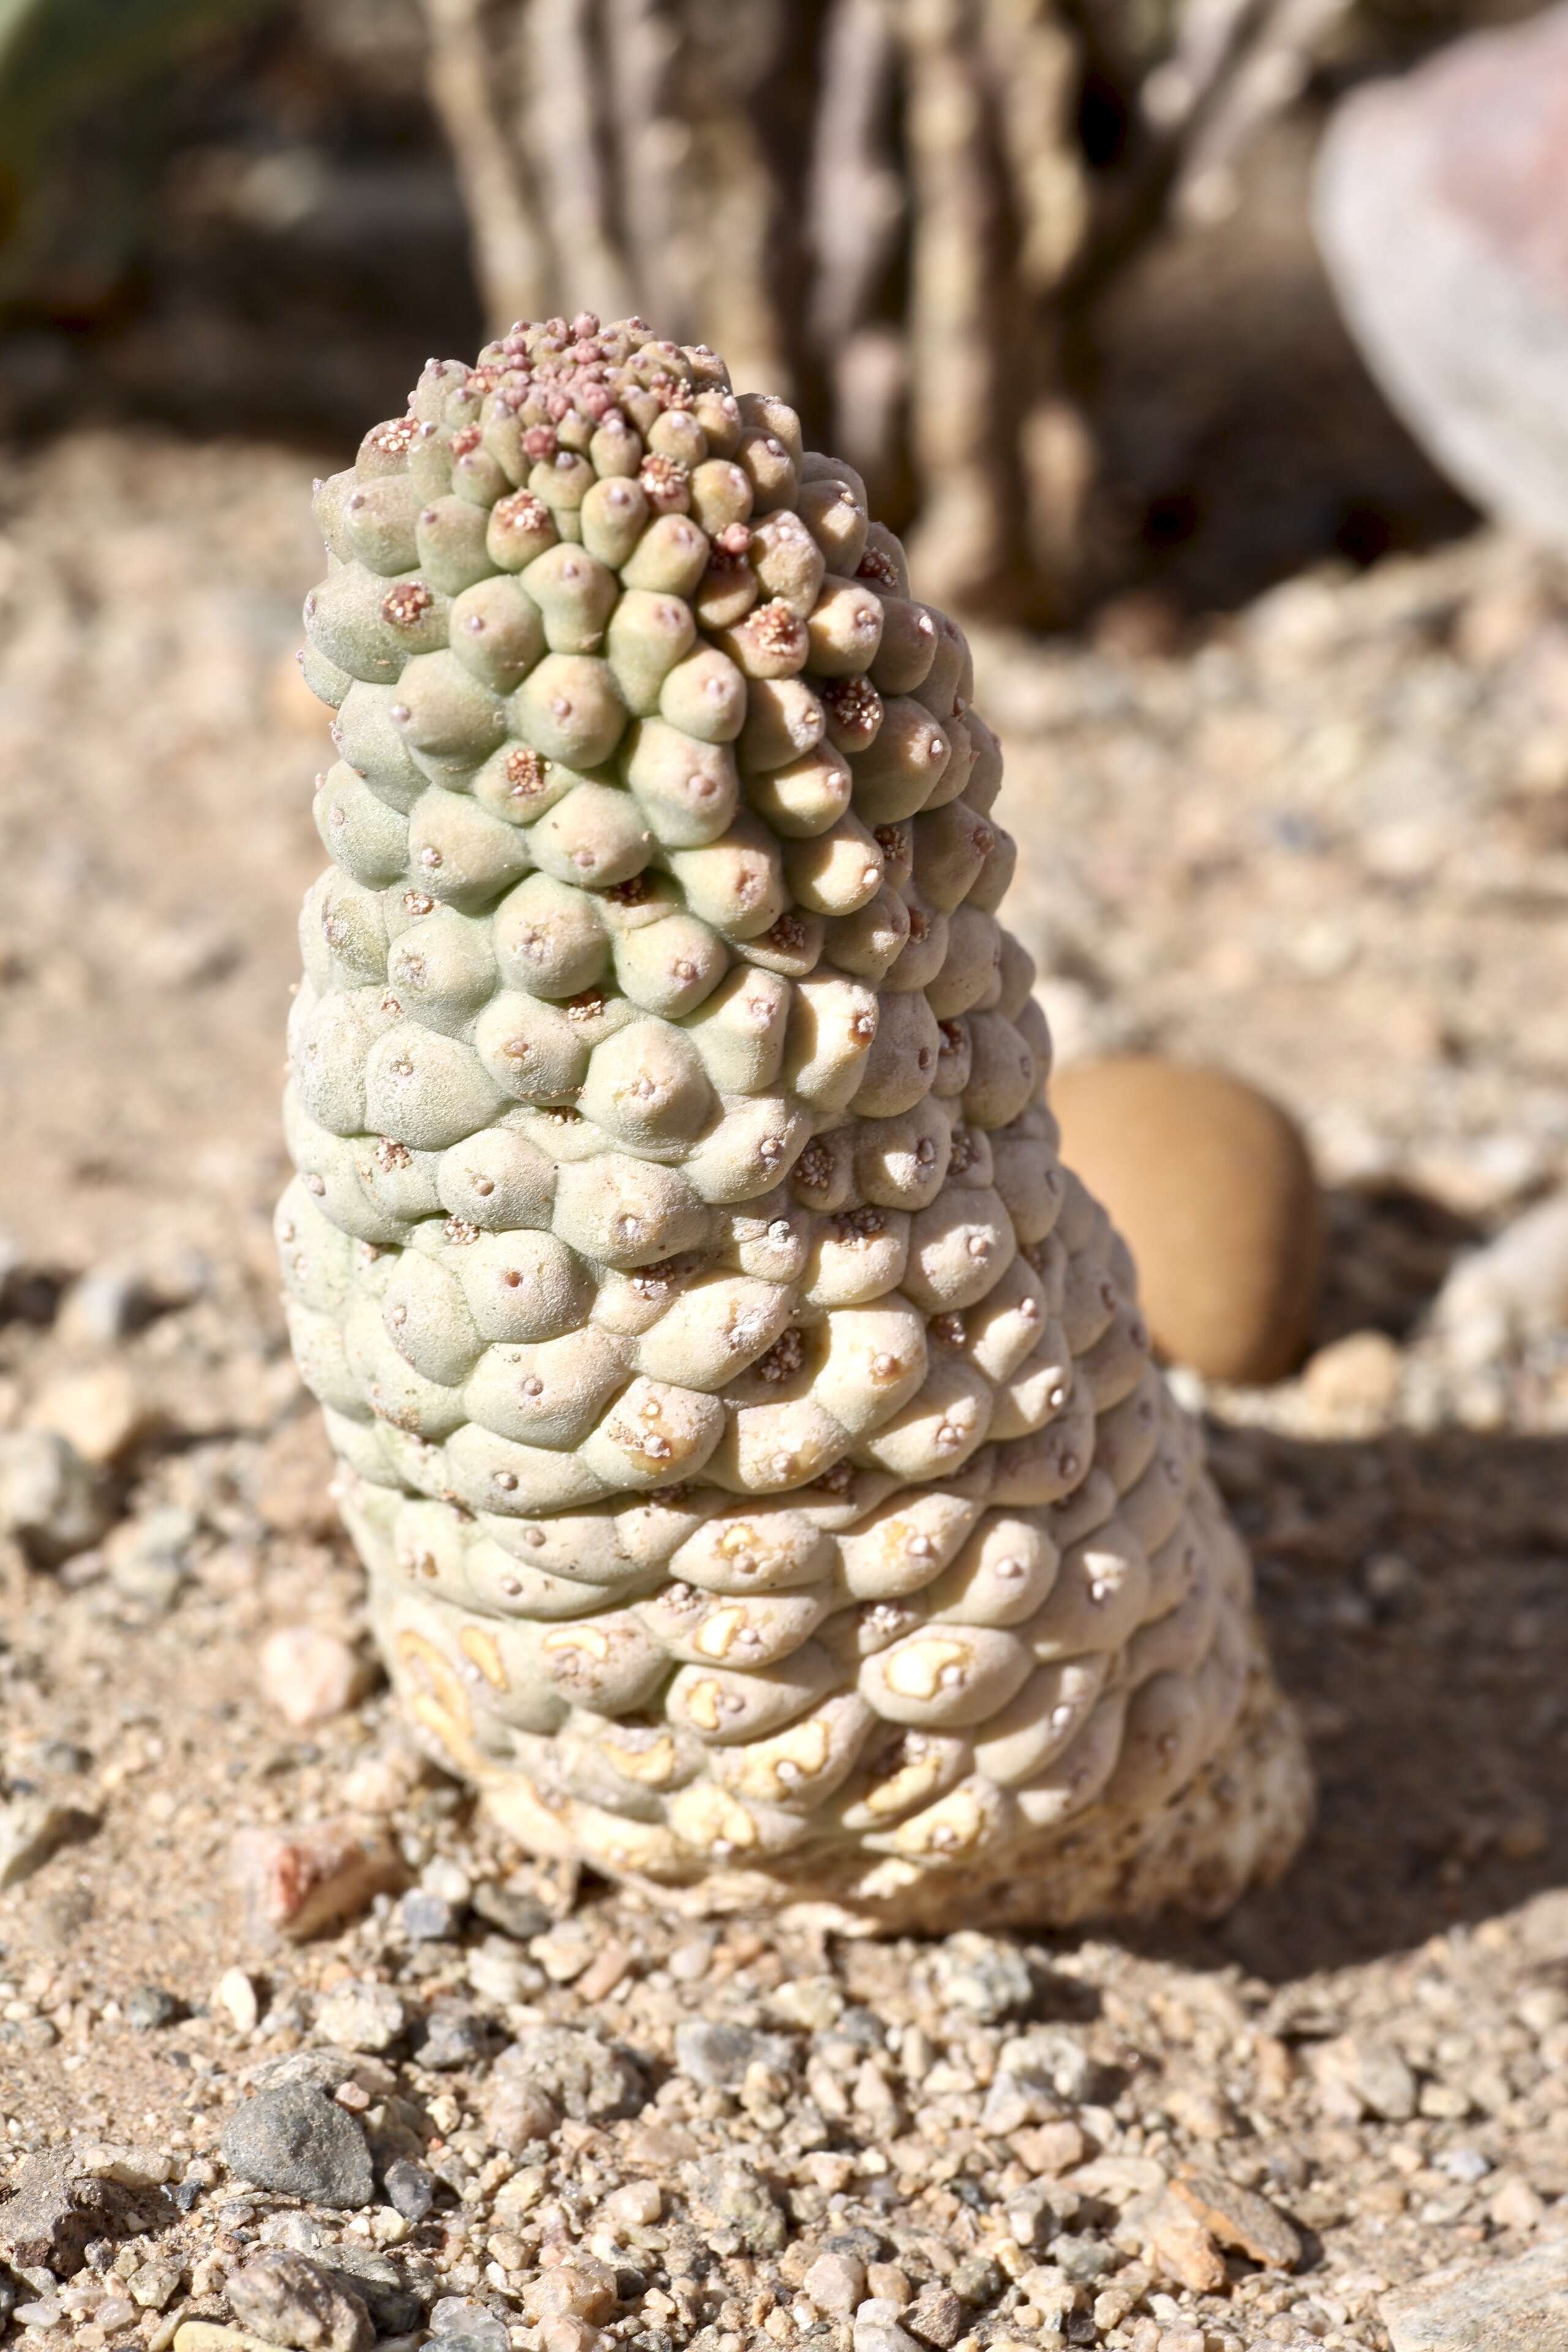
(1330, 847)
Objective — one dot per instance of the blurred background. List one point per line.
(1040, 269)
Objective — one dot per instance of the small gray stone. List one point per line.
(427, 1918)
(936, 2316)
(296, 2140)
(300, 2233)
(717, 2056)
(1367, 2075)
(154, 2284)
(52, 2215)
(32, 1828)
(453, 2035)
(733, 2206)
(327, 2067)
(1499, 2308)
(441, 1875)
(105, 1306)
(458, 2318)
(362, 2015)
(982, 1974)
(148, 2007)
(1080, 2259)
(1051, 2059)
(392, 2300)
(501, 1974)
(410, 2188)
(587, 2079)
(513, 1910)
(149, 1558)
(977, 2280)
(518, 2111)
(814, 2003)
(288, 2299)
(49, 1497)
(877, 2328)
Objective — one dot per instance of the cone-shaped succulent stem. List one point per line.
(747, 1424)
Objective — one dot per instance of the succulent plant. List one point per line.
(747, 1424)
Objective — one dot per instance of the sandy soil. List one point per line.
(1329, 846)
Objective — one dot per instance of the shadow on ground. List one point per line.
(1415, 1590)
(1388, 1250)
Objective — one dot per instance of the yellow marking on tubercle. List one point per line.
(484, 1649)
(705, 1816)
(580, 1637)
(652, 1766)
(955, 1826)
(717, 1637)
(917, 1671)
(905, 1788)
(702, 1705)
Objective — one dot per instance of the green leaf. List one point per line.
(58, 56)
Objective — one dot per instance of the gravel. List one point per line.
(1326, 848)
(363, 2015)
(719, 2056)
(579, 2072)
(426, 1918)
(514, 1911)
(731, 2202)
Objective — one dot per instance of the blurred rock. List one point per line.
(288, 2300)
(105, 1306)
(1354, 1381)
(1238, 2217)
(52, 2215)
(986, 1974)
(309, 1676)
(234, 1993)
(32, 1828)
(148, 1558)
(295, 1882)
(1361, 2074)
(1211, 1186)
(1515, 1288)
(362, 2015)
(1441, 207)
(101, 1410)
(580, 2075)
(49, 1497)
(1503, 2305)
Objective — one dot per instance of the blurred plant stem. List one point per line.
(900, 212)
(58, 58)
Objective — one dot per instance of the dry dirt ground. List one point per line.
(1329, 846)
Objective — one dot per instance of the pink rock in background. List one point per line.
(1441, 208)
